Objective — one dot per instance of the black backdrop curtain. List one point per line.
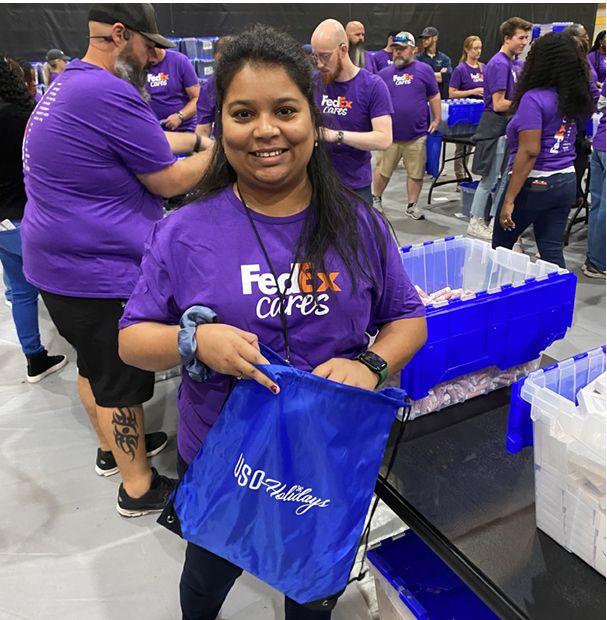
(29, 30)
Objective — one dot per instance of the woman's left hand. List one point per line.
(348, 372)
(506, 221)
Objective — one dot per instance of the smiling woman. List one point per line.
(273, 248)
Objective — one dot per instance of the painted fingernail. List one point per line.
(274, 389)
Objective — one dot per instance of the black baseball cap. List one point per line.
(430, 31)
(138, 17)
(56, 55)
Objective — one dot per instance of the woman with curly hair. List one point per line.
(16, 105)
(552, 94)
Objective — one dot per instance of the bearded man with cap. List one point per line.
(56, 61)
(356, 106)
(96, 165)
(440, 63)
(412, 86)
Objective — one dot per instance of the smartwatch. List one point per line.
(375, 363)
(180, 115)
(340, 137)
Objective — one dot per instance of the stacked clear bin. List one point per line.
(569, 453)
(200, 52)
(489, 338)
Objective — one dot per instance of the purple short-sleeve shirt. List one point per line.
(466, 77)
(208, 254)
(351, 106)
(500, 74)
(87, 215)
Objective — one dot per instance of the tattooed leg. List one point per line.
(126, 433)
(125, 429)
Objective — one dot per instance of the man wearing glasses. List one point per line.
(356, 105)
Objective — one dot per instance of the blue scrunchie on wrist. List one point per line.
(186, 341)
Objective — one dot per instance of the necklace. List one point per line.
(282, 295)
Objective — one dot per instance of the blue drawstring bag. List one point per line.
(282, 484)
(434, 144)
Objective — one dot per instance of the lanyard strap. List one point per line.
(282, 295)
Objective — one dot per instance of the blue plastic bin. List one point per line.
(424, 584)
(564, 378)
(518, 309)
(464, 111)
(468, 189)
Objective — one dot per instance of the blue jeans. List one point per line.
(483, 191)
(8, 290)
(548, 212)
(25, 296)
(596, 217)
(207, 579)
(365, 193)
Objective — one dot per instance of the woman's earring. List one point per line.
(316, 144)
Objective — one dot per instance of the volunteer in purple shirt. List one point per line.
(499, 82)
(467, 83)
(96, 164)
(206, 107)
(173, 87)
(56, 61)
(270, 206)
(594, 267)
(355, 31)
(384, 58)
(356, 106)
(596, 58)
(412, 86)
(552, 94)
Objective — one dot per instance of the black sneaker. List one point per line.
(42, 364)
(106, 463)
(153, 501)
(592, 271)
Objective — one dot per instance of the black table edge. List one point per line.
(483, 587)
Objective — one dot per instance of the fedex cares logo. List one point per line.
(339, 106)
(298, 290)
(162, 79)
(406, 78)
(477, 77)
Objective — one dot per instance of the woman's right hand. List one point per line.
(478, 92)
(232, 351)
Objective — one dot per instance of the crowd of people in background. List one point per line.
(278, 132)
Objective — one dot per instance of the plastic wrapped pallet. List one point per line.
(569, 454)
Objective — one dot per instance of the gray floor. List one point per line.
(64, 551)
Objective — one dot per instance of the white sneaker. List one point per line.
(478, 228)
(415, 211)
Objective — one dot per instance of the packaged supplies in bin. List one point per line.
(464, 388)
(516, 310)
(413, 583)
(569, 450)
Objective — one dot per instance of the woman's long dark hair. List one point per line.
(555, 61)
(597, 41)
(333, 220)
(12, 86)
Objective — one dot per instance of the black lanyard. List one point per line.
(282, 295)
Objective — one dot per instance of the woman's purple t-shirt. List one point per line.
(539, 109)
(599, 140)
(466, 77)
(167, 82)
(207, 254)
(597, 62)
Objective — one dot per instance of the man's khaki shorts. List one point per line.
(413, 154)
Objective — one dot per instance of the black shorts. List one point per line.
(90, 325)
